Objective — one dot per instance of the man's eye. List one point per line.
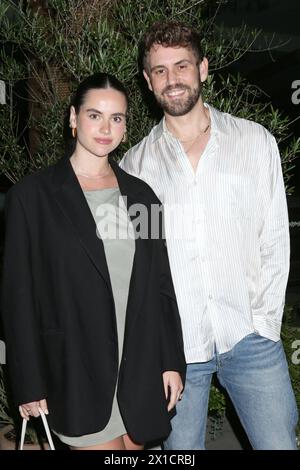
(159, 71)
(94, 116)
(117, 119)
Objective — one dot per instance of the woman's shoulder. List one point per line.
(31, 182)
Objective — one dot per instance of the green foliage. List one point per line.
(71, 39)
(217, 402)
(5, 416)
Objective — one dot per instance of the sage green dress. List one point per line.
(116, 231)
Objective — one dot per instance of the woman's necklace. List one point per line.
(93, 177)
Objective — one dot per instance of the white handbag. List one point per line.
(24, 424)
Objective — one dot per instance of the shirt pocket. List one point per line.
(234, 197)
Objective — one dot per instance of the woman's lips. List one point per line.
(103, 141)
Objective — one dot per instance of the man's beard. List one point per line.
(180, 106)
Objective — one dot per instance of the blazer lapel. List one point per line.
(134, 192)
(72, 202)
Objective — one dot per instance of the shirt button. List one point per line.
(210, 297)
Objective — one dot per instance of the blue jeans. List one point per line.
(255, 375)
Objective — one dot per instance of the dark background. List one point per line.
(274, 72)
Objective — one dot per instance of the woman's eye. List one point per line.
(117, 119)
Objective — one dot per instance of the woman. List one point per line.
(91, 322)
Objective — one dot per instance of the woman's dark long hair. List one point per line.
(93, 82)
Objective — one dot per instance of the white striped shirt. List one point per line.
(230, 273)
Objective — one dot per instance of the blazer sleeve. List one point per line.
(21, 332)
(170, 325)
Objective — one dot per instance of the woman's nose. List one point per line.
(105, 127)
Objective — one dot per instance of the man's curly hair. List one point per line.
(170, 34)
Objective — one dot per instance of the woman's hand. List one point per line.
(31, 409)
(172, 381)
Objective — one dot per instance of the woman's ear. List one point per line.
(73, 117)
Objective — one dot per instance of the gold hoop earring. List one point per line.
(124, 138)
(74, 132)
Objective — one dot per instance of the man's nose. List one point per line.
(171, 77)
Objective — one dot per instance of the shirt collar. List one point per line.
(217, 124)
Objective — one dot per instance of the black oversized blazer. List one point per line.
(59, 317)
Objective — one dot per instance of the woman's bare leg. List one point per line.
(115, 444)
(130, 444)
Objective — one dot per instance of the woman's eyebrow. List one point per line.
(93, 110)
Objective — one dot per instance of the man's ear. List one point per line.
(203, 69)
(147, 78)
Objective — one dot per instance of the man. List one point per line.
(228, 244)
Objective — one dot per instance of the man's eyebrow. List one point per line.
(183, 60)
(119, 114)
(176, 63)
